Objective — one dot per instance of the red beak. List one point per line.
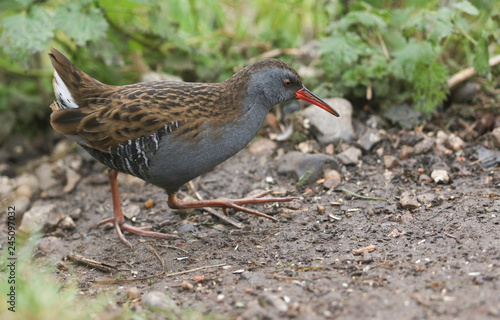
(306, 95)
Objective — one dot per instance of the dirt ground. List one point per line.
(440, 260)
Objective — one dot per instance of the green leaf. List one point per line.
(364, 18)
(24, 34)
(344, 49)
(81, 22)
(481, 56)
(429, 84)
(467, 7)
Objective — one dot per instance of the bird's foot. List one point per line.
(142, 231)
(176, 203)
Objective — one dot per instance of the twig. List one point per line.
(435, 215)
(467, 73)
(451, 236)
(362, 197)
(91, 263)
(369, 248)
(121, 281)
(224, 218)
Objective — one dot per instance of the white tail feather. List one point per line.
(64, 97)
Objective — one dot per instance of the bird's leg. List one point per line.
(118, 220)
(176, 203)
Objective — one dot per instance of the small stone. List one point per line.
(370, 138)
(495, 137)
(157, 299)
(331, 183)
(22, 204)
(405, 152)
(330, 149)
(27, 185)
(131, 211)
(46, 177)
(390, 162)
(408, 201)
(76, 214)
(262, 147)
(67, 224)
(72, 179)
(307, 167)
(440, 176)
(332, 174)
(133, 293)
(455, 142)
(268, 299)
(41, 217)
(307, 146)
(404, 115)
(350, 156)
(149, 204)
(426, 198)
(321, 209)
(62, 266)
(424, 146)
(424, 178)
(187, 286)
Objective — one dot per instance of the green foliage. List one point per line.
(407, 52)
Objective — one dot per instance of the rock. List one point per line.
(424, 146)
(455, 142)
(131, 211)
(133, 293)
(424, 178)
(262, 147)
(440, 176)
(332, 179)
(6, 186)
(350, 156)
(269, 300)
(50, 245)
(187, 227)
(406, 152)
(464, 92)
(159, 300)
(390, 162)
(67, 224)
(186, 285)
(495, 137)
(27, 185)
(45, 177)
(370, 138)
(307, 146)
(330, 129)
(408, 201)
(307, 167)
(41, 217)
(426, 198)
(410, 138)
(72, 179)
(404, 115)
(22, 204)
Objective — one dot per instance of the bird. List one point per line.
(170, 132)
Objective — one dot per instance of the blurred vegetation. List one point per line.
(402, 51)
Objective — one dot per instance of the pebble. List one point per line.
(350, 156)
(321, 209)
(157, 299)
(424, 146)
(440, 176)
(149, 204)
(131, 211)
(495, 137)
(307, 167)
(262, 147)
(72, 178)
(273, 301)
(41, 217)
(22, 204)
(404, 115)
(426, 198)
(187, 286)
(27, 185)
(455, 142)
(405, 152)
(76, 213)
(390, 162)
(330, 129)
(424, 178)
(46, 177)
(67, 223)
(133, 293)
(332, 179)
(408, 201)
(370, 138)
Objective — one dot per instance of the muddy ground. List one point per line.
(440, 260)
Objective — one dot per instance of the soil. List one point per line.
(440, 260)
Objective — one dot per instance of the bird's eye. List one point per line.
(287, 83)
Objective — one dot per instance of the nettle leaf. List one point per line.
(481, 56)
(81, 22)
(25, 34)
(344, 49)
(364, 18)
(467, 7)
(429, 84)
